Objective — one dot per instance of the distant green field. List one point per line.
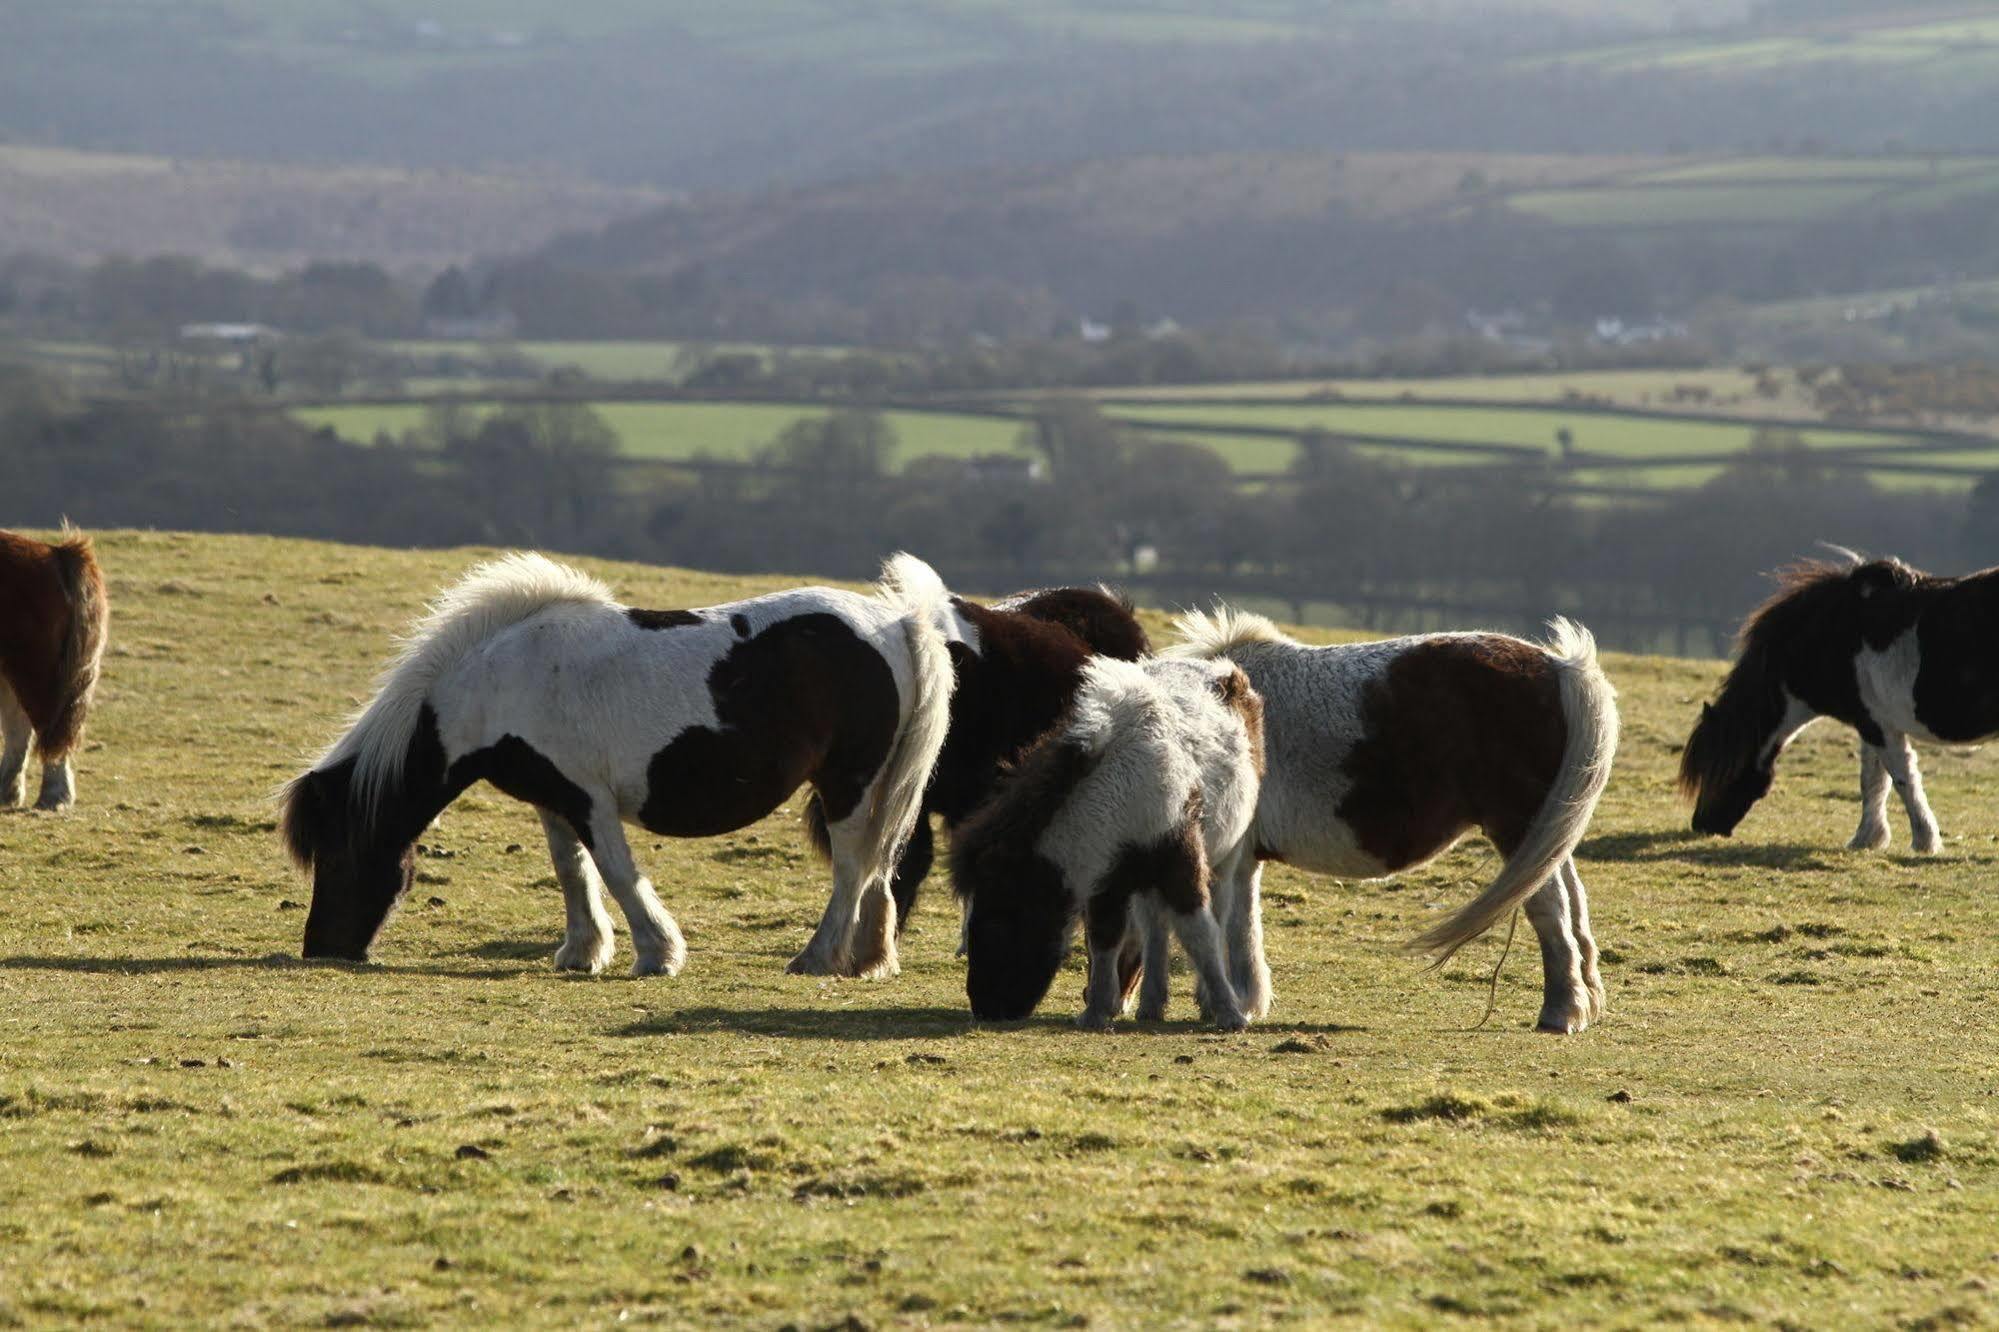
(1619, 436)
(1950, 50)
(727, 430)
(612, 359)
(721, 430)
(1665, 205)
(1632, 388)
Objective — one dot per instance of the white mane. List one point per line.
(486, 600)
(1220, 631)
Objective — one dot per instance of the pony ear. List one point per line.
(1706, 710)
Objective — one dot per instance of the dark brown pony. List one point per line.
(52, 617)
(1018, 663)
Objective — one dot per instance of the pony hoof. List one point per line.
(666, 964)
(1927, 845)
(809, 963)
(1151, 1013)
(1231, 1021)
(1568, 1025)
(1088, 1021)
(1868, 840)
(589, 957)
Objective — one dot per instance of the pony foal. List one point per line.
(688, 723)
(1145, 789)
(52, 621)
(1017, 664)
(1891, 651)
(1381, 755)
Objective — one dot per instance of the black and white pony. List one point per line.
(1142, 796)
(530, 676)
(1379, 756)
(1017, 664)
(1893, 652)
(53, 611)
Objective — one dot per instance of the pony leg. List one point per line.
(856, 934)
(1873, 831)
(1565, 997)
(589, 941)
(1899, 757)
(58, 784)
(1241, 883)
(1154, 983)
(1201, 935)
(1109, 917)
(1578, 901)
(655, 938)
(15, 733)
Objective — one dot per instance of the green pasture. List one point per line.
(1617, 436)
(723, 430)
(1789, 1116)
(1630, 388)
(1950, 49)
(1664, 205)
(616, 359)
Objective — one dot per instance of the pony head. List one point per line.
(1016, 935)
(1728, 765)
(357, 878)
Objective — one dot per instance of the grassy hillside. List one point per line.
(200, 1128)
(85, 205)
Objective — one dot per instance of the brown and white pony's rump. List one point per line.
(1381, 755)
(1143, 791)
(53, 613)
(1895, 653)
(530, 676)
(1016, 666)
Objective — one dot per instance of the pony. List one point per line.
(1381, 755)
(1016, 666)
(529, 675)
(53, 616)
(1145, 792)
(1895, 653)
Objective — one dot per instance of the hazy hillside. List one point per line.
(79, 205)
(708, 93)
(1394, 242)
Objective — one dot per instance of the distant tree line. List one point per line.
(1394, 546)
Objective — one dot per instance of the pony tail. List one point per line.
(915, 589)
(1589, 706)
(83, 644)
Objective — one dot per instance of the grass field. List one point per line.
(1616, 436)
(610, 358)
(1628, 388)
(200, 1129)
(721, 430)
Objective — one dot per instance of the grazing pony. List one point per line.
(52, 618)
(688, 723)
(1381, 755)
(1017, 665)
(1145, 791)
(1891, 651)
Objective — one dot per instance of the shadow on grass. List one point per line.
(1685, 844)
(162, 966)
(827, 1024)
(903, 1024)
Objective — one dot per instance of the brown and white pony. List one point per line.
(1379, 756)
(1142, 796)
(53, 612)
(1893, 652)
(1017, 664)
(531, 676)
